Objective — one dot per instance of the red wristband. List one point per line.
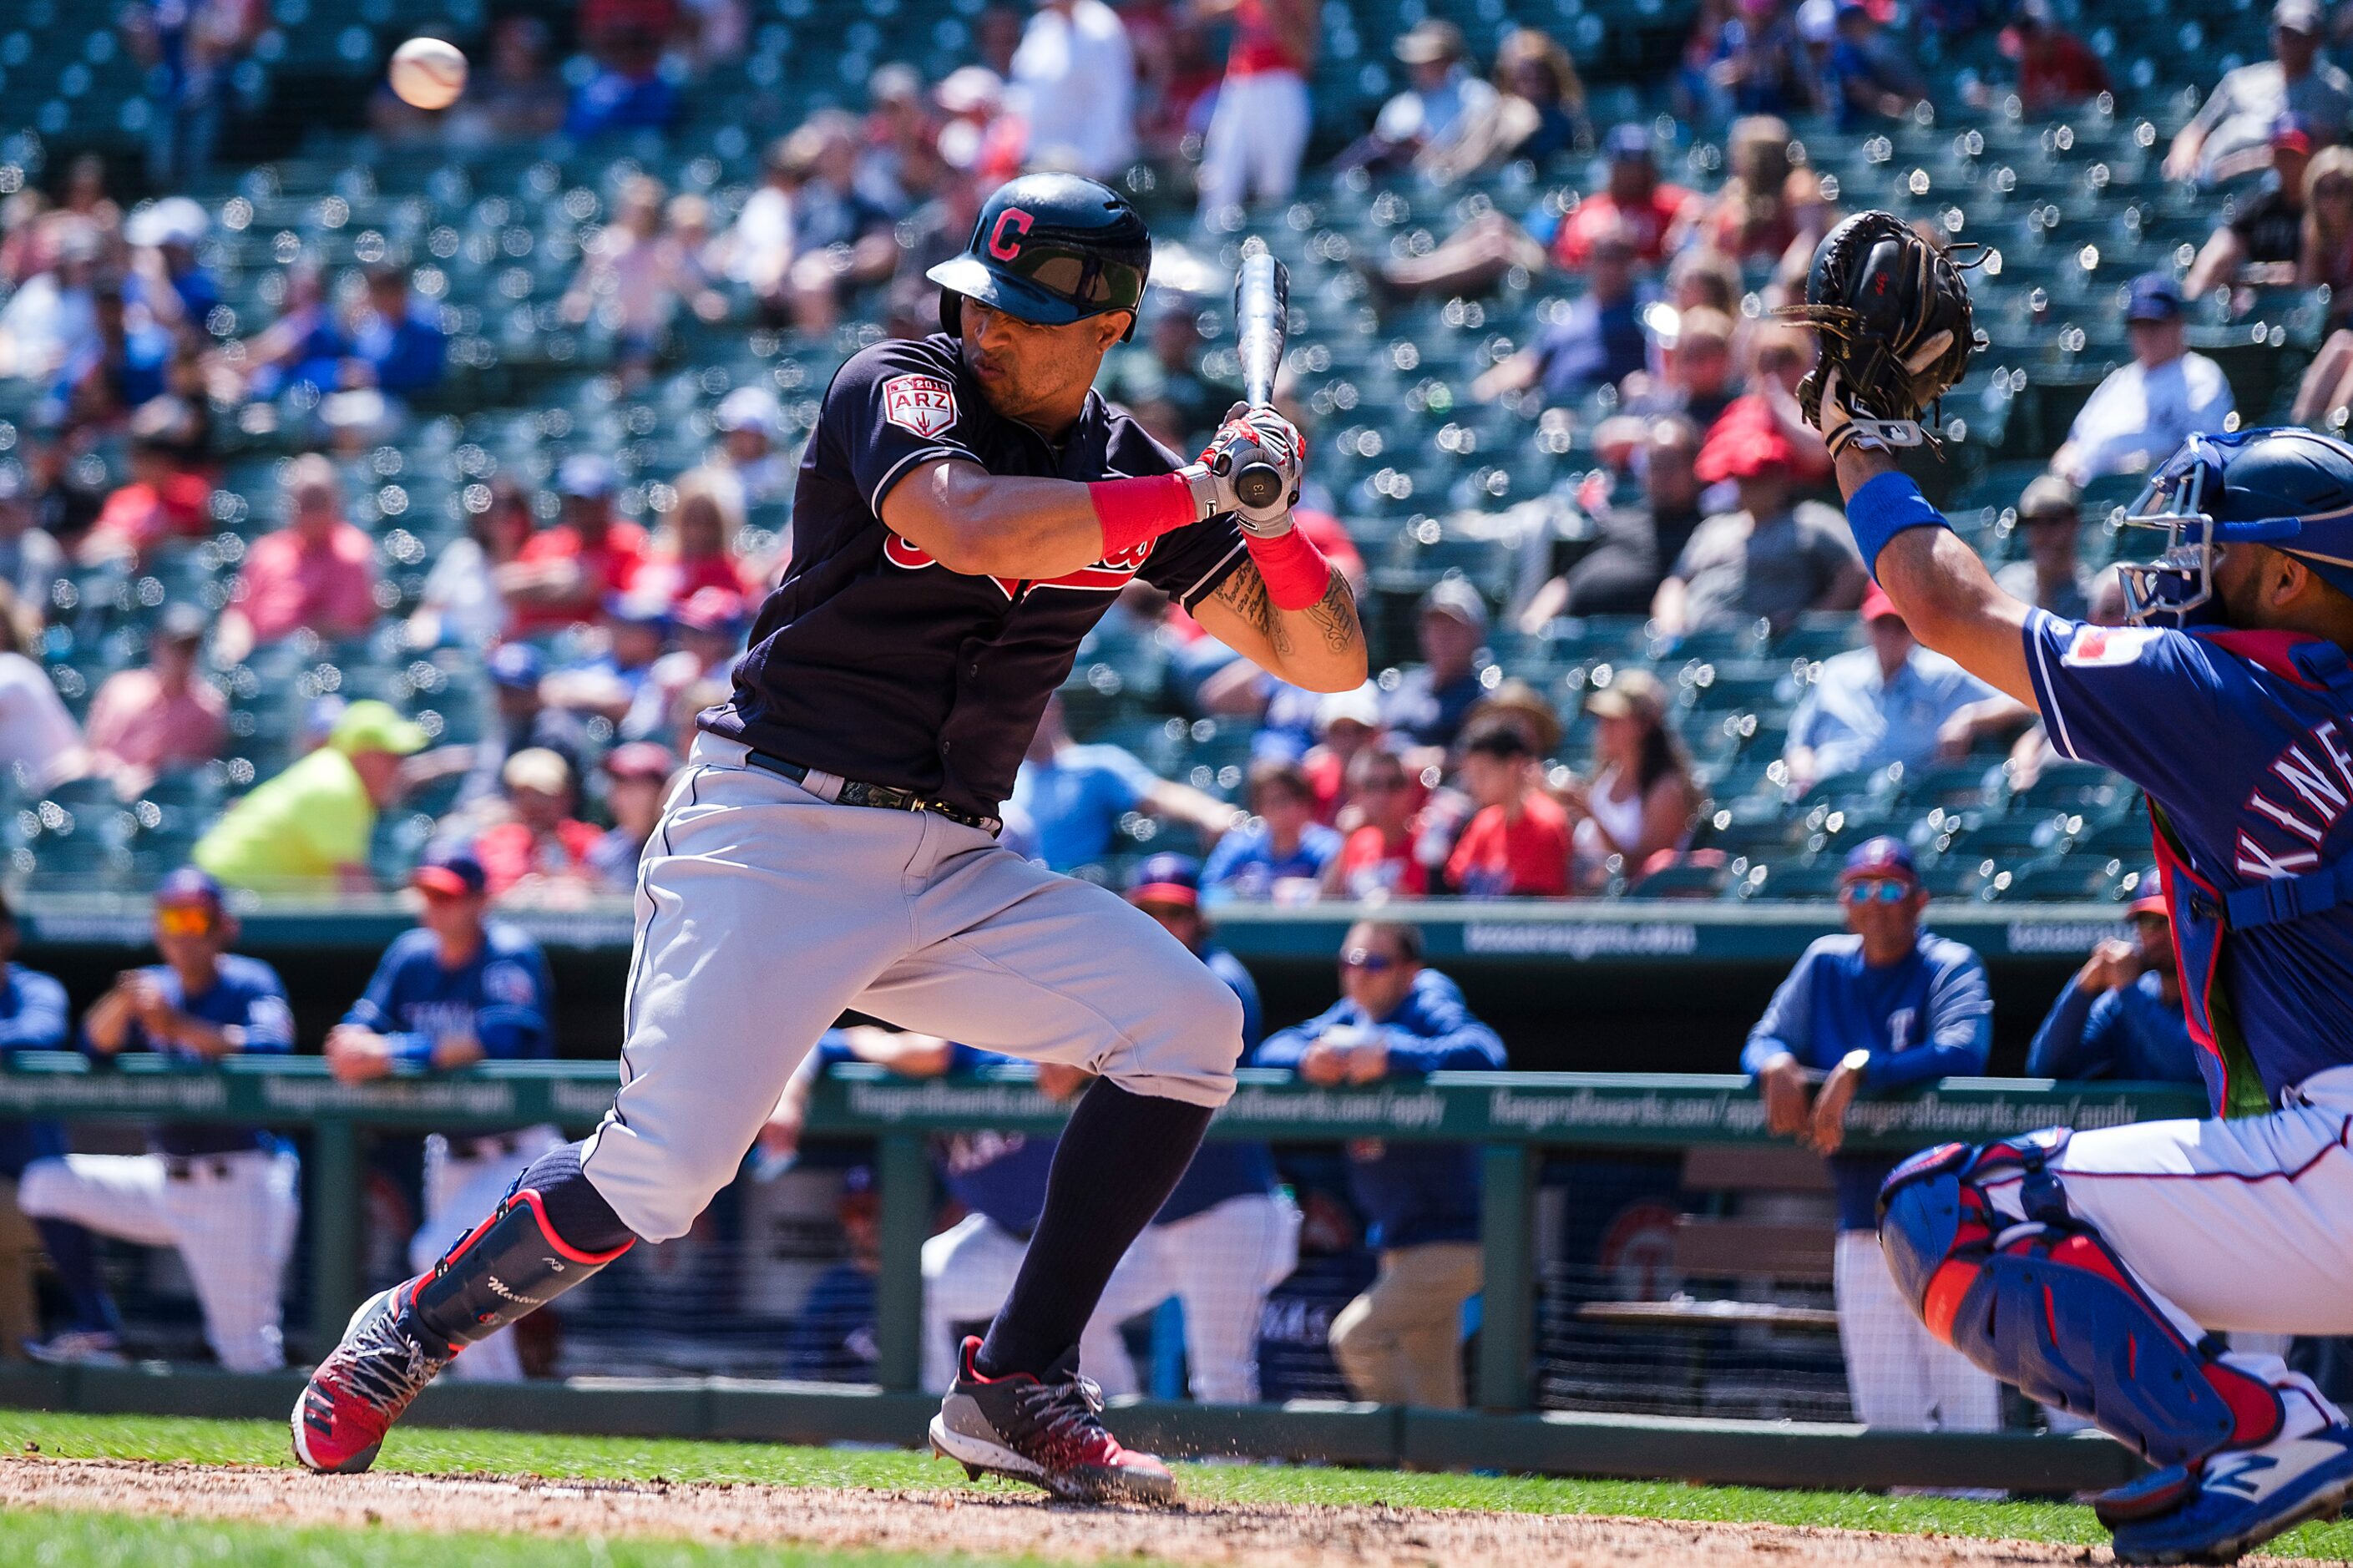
(1134, 513)
(1296, 573)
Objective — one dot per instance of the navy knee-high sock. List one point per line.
(75, 1256)
(1120, 1158)
(576, 1211)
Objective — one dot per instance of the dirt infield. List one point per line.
(948, 1520)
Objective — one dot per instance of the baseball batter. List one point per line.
(2098, 1270)
(966, 511)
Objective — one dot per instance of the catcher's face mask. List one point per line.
(2176, 586)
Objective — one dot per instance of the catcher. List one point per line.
(2096, 1270)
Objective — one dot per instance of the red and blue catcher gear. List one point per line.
(2045, 1305)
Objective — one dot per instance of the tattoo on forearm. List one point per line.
(1244, 592)
(1336, 615)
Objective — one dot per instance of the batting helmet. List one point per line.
(2290, 488)
(1049, 248)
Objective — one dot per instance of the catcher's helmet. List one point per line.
(1049, 248)
(2288, 488)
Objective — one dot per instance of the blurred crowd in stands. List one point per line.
(604, 611)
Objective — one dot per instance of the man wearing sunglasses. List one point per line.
(1400, 1342)
(2057, 1258)
(1883, 1008)
(225, 1196)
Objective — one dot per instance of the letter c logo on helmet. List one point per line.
(999, 247)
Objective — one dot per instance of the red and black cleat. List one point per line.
(1045, 1430)
(361, 1389)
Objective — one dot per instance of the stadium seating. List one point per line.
(1423, 477)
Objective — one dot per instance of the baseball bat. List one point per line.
(1261, 307)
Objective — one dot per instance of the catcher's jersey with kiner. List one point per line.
(872, 661)
(2244, 743)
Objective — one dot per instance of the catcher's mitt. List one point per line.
(1891, 314)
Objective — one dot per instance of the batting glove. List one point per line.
(1255, 435)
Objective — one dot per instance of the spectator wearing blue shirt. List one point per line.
(457, 990)
(33, 1017)
(1883, 1008)
(1228, 1234)
(1892, 701)
(1068, 799)
(1597, 341)
(1401, 1341)
(2121, 1017)
(225, 1196)
(1430, 700)
(1283, 846)
(395, 347)
(1867, 83)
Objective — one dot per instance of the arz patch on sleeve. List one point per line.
(2093, 647)
(922, 404)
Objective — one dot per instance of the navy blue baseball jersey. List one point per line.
(499, 997)
(245, 994)
(873, 661)
(2244, 743)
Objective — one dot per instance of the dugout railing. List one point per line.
(1513, 1117)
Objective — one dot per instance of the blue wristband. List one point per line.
(1884, 508)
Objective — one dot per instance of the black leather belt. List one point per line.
(854, 791)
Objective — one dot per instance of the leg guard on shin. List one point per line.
(2045, 1305)
(504, 1269)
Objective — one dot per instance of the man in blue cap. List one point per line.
(1881, 1008)
(225, 1196)
(2144, 410)
(459, 989)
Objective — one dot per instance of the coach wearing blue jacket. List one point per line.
(2121, 1017)
(1399, 1343)
(459, 989)
(1886, 1007)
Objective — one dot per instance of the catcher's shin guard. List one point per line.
(2045, 1305)
(504, 1269)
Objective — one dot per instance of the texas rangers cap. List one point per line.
(1880, 857)
(2152, 296)
(189, 885)
(2292, 133)
(1167, 880)
(2149, 896)
(1877, 605)
(451, 873)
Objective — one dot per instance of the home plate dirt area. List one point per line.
(965, 1523)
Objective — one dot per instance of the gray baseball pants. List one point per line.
(765, 912)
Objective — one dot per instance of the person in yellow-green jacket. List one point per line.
(309, 827)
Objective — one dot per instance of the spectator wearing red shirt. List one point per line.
(567, 574)
(148, 719)
(1518, 844)
(1380, 857)
(695, 550)
(541, 854)
(1259, 128)
(1636, 208)
(2055, 69)
(1345, 723)
(1648, 206)
(317, 572)
(164, 499)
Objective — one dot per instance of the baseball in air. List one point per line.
(429, 73)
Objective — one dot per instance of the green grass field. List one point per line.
(100, 1540)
